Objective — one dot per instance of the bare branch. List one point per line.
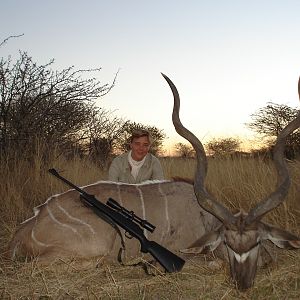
(10, 37)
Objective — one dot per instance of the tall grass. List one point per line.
(239, 183)
(26, 183)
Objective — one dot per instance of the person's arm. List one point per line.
(157, 173)
(114, 171)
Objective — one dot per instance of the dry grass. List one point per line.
(239, 183)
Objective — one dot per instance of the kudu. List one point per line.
(64, 227)
(241, 235)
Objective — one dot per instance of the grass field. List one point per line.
(238, 182)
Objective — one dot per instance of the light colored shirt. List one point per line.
(120, 170)
(135, 165)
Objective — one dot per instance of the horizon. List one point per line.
(246, 146)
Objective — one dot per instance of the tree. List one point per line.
(224, 146)
(39, 103)
(57, 109)
(104, 132)
(123, 144)
(271, 119)
(184, 150)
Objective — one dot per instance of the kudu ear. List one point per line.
(208, 242)
(281, 238)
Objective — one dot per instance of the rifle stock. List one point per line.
(170, 261)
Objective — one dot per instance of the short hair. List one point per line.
(140, 133)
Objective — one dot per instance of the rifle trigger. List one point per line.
(128, 235)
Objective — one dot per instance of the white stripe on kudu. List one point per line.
(166, 210)
(39, 243)
(60, 223)
(143, 208)
(119, 195)
(76, 219)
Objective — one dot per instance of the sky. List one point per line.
(227, 58)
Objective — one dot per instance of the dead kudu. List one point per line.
(187, 218)
(63, 227)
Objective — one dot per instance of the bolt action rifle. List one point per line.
(131, 224)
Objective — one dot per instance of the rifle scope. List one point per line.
(130, 214)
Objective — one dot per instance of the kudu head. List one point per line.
(241, 234)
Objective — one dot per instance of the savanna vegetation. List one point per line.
(239, 182)
(39, 105)
(49, 119)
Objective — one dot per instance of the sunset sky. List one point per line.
(227, 58)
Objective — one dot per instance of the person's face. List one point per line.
(139, 148)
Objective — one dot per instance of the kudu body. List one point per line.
(241, 236)
(64, 227)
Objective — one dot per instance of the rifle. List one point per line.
(131, 224)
